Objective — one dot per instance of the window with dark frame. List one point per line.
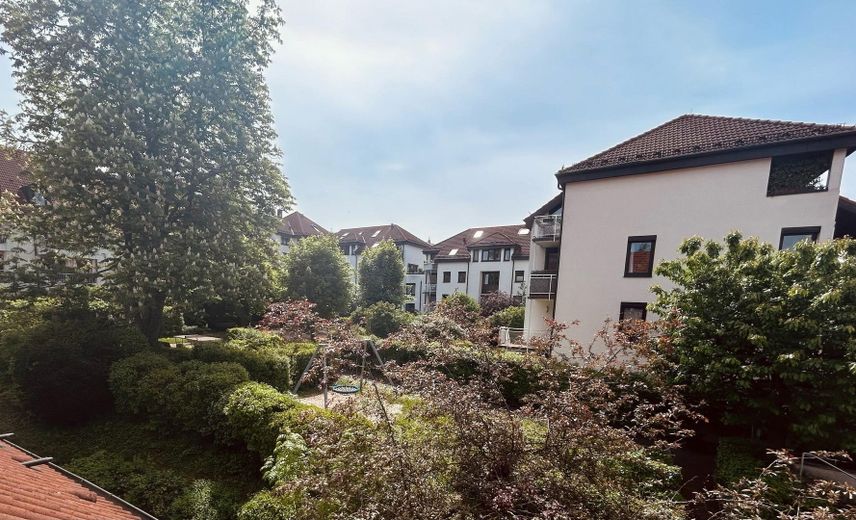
(462, 277)
(491, 255)
(476, 255)
(489, 282)
(519, 276)
(639, 261)
(506, 254)
(632, 311)
(799, 173)
(410, 289)
(447, 276)
(794, 235)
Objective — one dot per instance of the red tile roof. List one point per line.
(12, 177)
(47, 492)
(494, 236)
(297, 224)
(693, 134)
(371, 235)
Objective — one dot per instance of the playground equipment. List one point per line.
(342, 389)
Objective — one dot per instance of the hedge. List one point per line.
(736, 458)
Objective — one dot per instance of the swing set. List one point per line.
(342, 389)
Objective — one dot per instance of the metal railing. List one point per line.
(543, 285)
(510, 337)
(429, 288)
(838, 474)
(547, 227)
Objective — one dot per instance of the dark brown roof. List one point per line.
(48, 492)
(371, 235)
(494, 236)
(12, 176)
(694, 134)
(297, 224)
(549, 207)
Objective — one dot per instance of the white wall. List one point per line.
(472, 287)
(710, 201)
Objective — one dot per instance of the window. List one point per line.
(447, 276)
(453, 252)
(519, 276)
(632, 311)
(283, 240)
(476, 255)
(799, 173)
(462, 277)
(551, 259)
(412, 269)
(3, 239)
(490, 282)
(640, 256)
(491, 255)
(792, 236)
(410, 307)
(506, 254)
(445, 296)
(410, 289)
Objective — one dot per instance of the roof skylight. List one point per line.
(478, 233)
(453, 252)
(523, 231)
(376, 233)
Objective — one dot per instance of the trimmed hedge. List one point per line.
(263, 354)
(183, 395)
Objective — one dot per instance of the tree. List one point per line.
(381, 274)
(315, 270)
(148, 129)
(767, 338)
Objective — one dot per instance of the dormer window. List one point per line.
(799, 173)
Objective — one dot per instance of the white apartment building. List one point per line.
(354, 241)
(626, 209)
(295, 226)
(478, 261)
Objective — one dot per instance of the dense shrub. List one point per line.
(185, 395)
(300, 354)
(382, 318)
(263, 354)
(250, 410)
(163, 493)
(494, 302)
(509, 317)
(173, 321)
(460, 301)
(266, 506)
(314, 269)
(61, 358)
(294, 320)
(736, 458)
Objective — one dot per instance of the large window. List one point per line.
(506, 254)
(490, 282)
(491, 255)
(410, 289)
(792, 236)
(551, 259)
(639, 261)
(519, 276)
(632, 311)
(447, 276)
(462, 277)
(799, 173)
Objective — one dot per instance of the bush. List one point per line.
(249, 411)
(186, 395)
(266, 506)
(61, 361)
(300, 354)
(459, 300)
(163, 493)
(263, 354)
(736, 458)
(494, 302)
(509, 317)
(382, 318)
(173, 321)
(294, 320)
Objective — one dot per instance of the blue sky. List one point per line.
(444, 115)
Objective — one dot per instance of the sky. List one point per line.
(444, 115)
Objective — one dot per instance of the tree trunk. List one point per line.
(150, 318)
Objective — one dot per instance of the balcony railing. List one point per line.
(547, 227)
(429, 288)
(543, 285)
(513, 338)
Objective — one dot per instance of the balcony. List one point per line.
(517, 339)
(429, 288)
(428, 265)
(547, 228)
(543, 285)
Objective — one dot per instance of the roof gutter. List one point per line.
(812, 144)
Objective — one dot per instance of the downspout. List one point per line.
(559, 267)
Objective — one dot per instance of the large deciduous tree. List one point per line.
(314, 269)
(767, 338)
(381, 274)
(148, 129)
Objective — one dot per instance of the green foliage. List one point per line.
(173, 321)
(736, 458)
(263, 354)
(249, 412)
(316, 270)
(460, 301)
(266, 506)
(60, 351)
(383, 318)
(185, 396)
(509, 317)
(381, 274)
(157, 138)
(766, 337)
(300, 354)
(161, 492)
